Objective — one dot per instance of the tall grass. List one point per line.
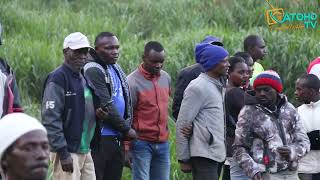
(35, 29)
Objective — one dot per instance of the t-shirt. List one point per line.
(89, 123)
(117, 99)
(257, 69)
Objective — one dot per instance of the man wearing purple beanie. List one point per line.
(269, 137)
(203, 106)
(186, 75)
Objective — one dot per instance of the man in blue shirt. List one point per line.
(109, 82)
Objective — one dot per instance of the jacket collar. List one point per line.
(68, 68)
(211, 79)
(148, 75)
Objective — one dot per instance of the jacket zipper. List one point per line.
(157, 102)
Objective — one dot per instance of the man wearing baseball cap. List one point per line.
(68, 113)
(269, 137)
(24, 148)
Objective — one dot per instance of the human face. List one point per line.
(153, 61)
(76, 58)
(302, 93)
(29, 157)
(266, 95)
(250, 64)
(107, 49)
(259, 50)
(239, 76)
(222, 68)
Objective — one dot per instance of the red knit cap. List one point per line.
(270, 78)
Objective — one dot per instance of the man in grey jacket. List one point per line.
(203, 106)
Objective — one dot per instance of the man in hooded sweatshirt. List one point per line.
(203, 106)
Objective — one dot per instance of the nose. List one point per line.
(115, 51)
(41, 153)
(227, 64)
(83, 55)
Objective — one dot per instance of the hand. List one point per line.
(101, 114)
(257, 176)
(285, 152)
(67, 164)
(128, 159)
(185, 167)
(131, 134)
(187, 131)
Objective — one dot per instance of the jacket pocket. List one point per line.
(210, 139)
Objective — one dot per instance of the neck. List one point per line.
(73, 68)
(213, 75)
(314, 98)
(231, 84)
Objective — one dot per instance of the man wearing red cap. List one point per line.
(269, 137)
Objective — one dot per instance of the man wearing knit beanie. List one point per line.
(187, 74)
(203, 106)
(24, 148)
(269, 137)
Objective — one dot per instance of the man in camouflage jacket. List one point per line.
(269, 137)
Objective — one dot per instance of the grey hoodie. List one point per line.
(202, 106)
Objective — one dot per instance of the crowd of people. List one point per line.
(233, 120)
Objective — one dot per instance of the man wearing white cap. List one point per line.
(68, 113)
(24, 149)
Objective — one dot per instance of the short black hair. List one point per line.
(250, 41)
(233, 60)
(310, 81)
(102, 35)
(155, 45)
(246, 56)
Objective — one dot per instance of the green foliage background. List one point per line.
(34, 31)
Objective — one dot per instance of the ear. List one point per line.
(144, 57)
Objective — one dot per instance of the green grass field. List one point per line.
(34, 31)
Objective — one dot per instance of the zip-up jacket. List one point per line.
(97, 75)
(63, 108)
(260, 132)
(150, 98)
(203, 107)
(10, 100)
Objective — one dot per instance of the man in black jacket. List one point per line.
(110, 86)
(68, 113)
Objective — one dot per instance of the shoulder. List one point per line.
(57, 76)
(164, 74)
(133, 75)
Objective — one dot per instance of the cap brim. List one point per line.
(79, 46)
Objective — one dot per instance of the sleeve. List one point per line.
(133, 92)
(16, 101)
(192, 103)
(97, 78)
(301, 143)
(243, 142)
(181, 85)
(52, 112)
(134, 99)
